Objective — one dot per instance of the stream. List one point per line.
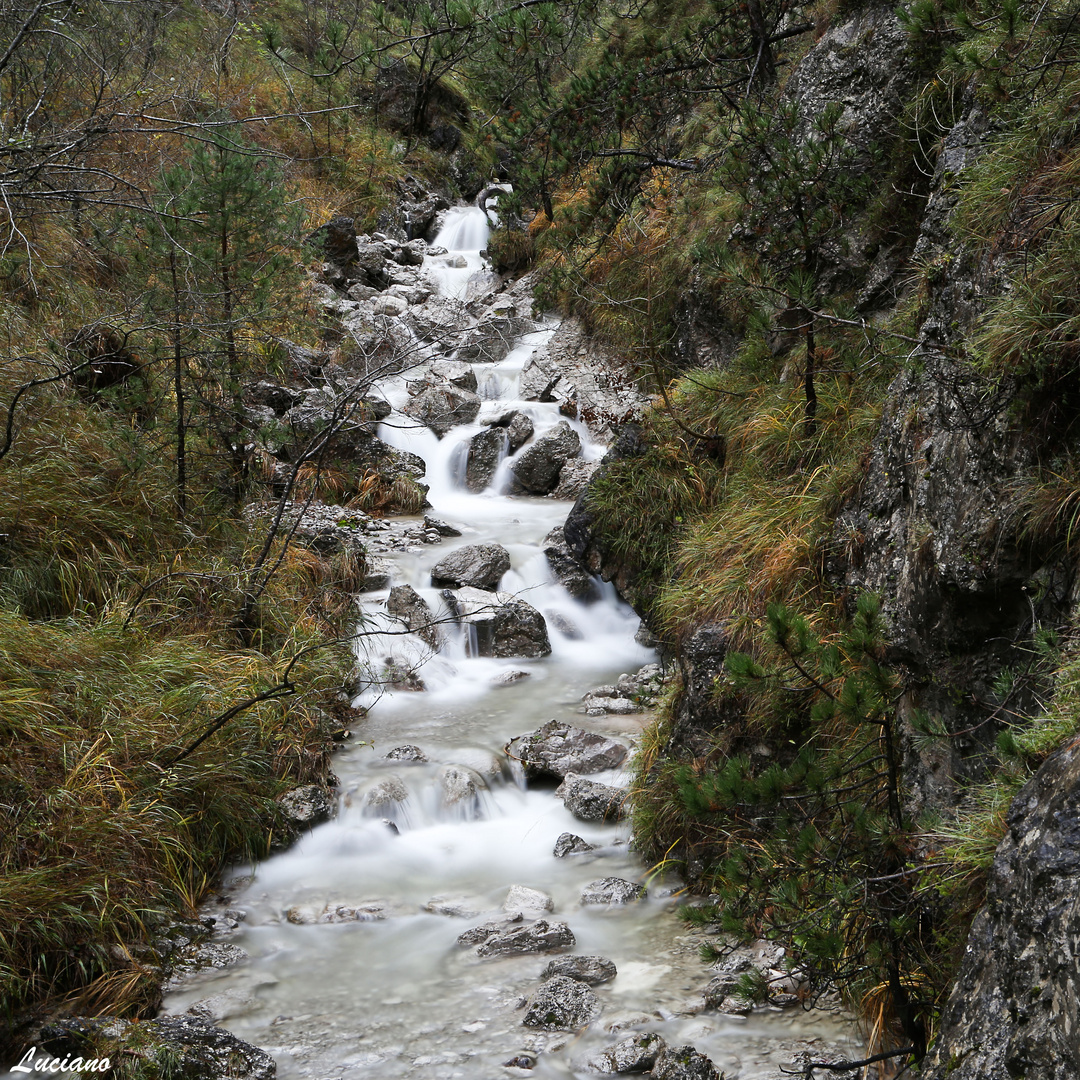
(391, 993)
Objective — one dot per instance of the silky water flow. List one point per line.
(391, 994)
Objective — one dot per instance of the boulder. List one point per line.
(393, 306)
(537, 937)
(180, 1046)
(607, 699)
(486, 450)
(494, 335)
(518, 427)
(565, 567)
(499, 624)
(531, 903)
(508, 678)
(683, 1063)
(556, 749)
(405, 603)
(306, 806)
(479, 566)
(589, 801)
(336, 241)
(561, 1004)
(538, 380)
(612, 890)
(592, 970)
(636, 1054)
(569, 844)
(443, 407)
(538, 466)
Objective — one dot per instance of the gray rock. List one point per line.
(477, 565)
(435, 525)
(569, 844)
(538, 380)
(185, 1046)
(635, 1054)
(556, 749)
(574, 478)
(518, 427)
(453, 372)
(683, 1063)
(307, 806)
(222, 1006)
(566, 568)
(390, 305)
(461, 787)
(592, 970)
(508, 678)
(406, 752)
(279, 399)
(376, 578)
(370, 911)
(439, 320)
(493, 336)
(486, 449)
(608, 699)
(500, 624)
(612, 890)
(538, 466)
(405, 603)
(537, 937)
(561, 1004)
(443, 407)
(385, 797)
(589, 801)
(530, 902)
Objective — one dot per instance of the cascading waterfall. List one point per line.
(423, 855)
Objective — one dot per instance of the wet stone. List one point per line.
(561, 1004)
(477, 565)
(588, 800)
(407, 752)
(636, 1054)
(557, 749)
(440, 527)
(612, 890)
(683, 1063)
(306, 806)
(592, 970)
(571, 844)
(385, 795)
(530, 902)
(537, 937)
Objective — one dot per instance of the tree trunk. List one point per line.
(178, 389)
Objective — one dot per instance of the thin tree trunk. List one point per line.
(178, 389)
(808, 378)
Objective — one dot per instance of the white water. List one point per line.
(396, 996)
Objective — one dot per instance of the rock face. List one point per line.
(1014, 1009)
(612, 890)
(592, 970)
(184, 1045)
(636, 1054)
(538, 467)
(557, 749)
(589, 801)
(561, 1004)
(478, 565)
(413, 610)
(683, 1063)
(499, 624)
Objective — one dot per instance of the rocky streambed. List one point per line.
(473, 906)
